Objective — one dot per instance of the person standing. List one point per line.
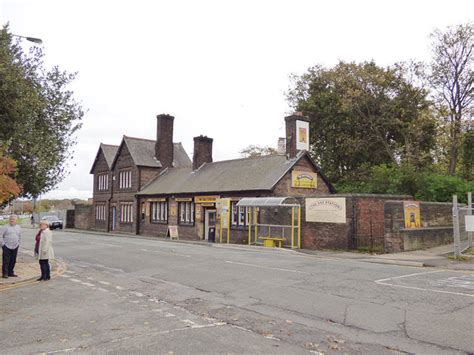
(44, 249)
(11, 237)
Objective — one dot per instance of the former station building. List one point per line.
(144, 186)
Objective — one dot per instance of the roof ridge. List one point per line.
(249, 158)
(140, 139)
(109, 145)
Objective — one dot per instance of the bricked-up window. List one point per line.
(239, 215)
(126, 212)
(125, 179)
(186, 212)
(103, 182)
(100, 212)
(159, 211)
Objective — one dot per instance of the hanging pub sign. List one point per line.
(411, 210)
(304, 179)
(302, 135)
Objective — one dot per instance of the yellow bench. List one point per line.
(271, 242)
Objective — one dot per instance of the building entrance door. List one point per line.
(114, 217)
(210, 225)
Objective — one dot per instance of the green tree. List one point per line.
(363, 115)
(38, 116)
(451, 77)
(253, 151)
(468, 155)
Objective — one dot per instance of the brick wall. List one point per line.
(83, 216)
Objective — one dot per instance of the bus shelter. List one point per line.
(273, 220)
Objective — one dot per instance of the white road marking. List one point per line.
(108, 245)
(385, 283)
(268, 267)
(74, 280)
(65, 276)
(466, 281)
(62, 351)
(168, 315)
(166, 253)
(119, 288)
(104, 283)
(87, 284)
(102, 289)
(138, 294)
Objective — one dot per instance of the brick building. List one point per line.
(144, 186)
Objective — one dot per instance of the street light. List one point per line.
(31, 39)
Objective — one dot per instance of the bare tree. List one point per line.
(452, 80)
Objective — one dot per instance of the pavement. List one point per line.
(28, 271)
(135, 295)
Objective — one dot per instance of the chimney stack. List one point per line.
(297, 134)
(202, 151)
(164, 148)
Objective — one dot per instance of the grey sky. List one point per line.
(220, 67)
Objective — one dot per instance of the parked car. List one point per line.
(54, 222)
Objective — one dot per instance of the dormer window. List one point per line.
(125, 179)
(103, 182)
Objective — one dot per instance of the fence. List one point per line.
(463, 225)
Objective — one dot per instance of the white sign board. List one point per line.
(469, 223)
(326, 210)
(302, 135)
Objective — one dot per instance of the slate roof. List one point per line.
(248, 174)
(143, 153)
(109, 152)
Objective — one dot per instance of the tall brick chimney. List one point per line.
(202, 151)
(297, 134)
(164, 149)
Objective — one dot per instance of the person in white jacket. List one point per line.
(44, 249)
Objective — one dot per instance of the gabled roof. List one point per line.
(248, 174)
(142, 152)
(108, 151)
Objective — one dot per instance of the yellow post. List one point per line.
(292, 227)
(250, 223)
(256, 222)
(228, 226)
(299, 227)
(220, 231)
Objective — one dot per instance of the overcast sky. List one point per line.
(220, 67)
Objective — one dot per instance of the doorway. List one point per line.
(210, 225)
(114, 217)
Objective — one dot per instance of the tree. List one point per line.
(38, 116)
(451, 77)
(253, 151)
(9, 189)
(362, 115)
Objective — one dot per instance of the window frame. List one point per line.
(100, 212)
(159, 212)
(125, 179)
(126, 213)
(235, 214)
(186, 213)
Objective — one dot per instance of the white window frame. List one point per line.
(159, 212)
(125, 179)
(126, 212)
(103, 181)
(186, 212)
(236, 215)
(100, 212)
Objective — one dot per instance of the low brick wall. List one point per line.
(429, 237)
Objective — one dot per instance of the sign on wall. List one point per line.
(205, 199)
(224, 212)
(469, 223)
(304, 179)
(302, 135)
(411, 210)
(326, 210)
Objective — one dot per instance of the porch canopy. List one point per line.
(272, 233)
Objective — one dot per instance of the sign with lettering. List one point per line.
(411, 210)
(172, 232)
(304, 179)
(173, 210)
(302, 135)
(326, 210)
(205, 199)
(224, 210)
(469, 223)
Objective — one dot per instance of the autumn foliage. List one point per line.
(9, 189)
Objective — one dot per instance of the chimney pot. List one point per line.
(164, 148)
(202, 151)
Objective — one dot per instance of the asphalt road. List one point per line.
(129, 295)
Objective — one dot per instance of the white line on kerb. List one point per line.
(267, 267)
(383, 282)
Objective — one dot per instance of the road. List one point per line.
(129, 295)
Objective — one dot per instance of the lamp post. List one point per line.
(31, 39)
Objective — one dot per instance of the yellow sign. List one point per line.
(411, 210)
(304, 179)
(224, 211)
(173, 211)
(183, 199)
(156, 199)
(205, 199)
